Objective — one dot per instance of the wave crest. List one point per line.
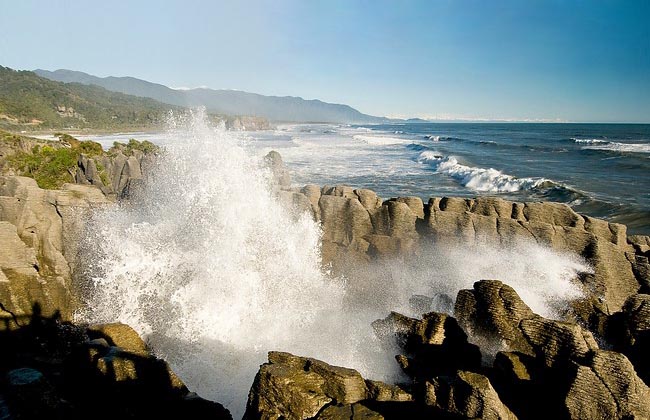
(481, 179)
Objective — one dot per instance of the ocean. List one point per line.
(602, 170)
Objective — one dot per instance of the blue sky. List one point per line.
(521, 59)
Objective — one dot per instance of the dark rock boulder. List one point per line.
(467, 395)
(434, 345)
(629, 331)
(495, 317)
(292, 387)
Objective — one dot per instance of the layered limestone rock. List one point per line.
(39, 231)
(434, 345)
(494, 315)
(547, 369)
(559, 360)
(291, 387)
(468, 395)
(607, 387)
(629, 332)
(358, 227)
(116, 174)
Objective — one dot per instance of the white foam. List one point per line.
(589, 141)
(479, 179)
(379, 140)
(621, 147)
(432, 137)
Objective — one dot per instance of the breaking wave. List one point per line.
(613, 146)
(379, 140)
(480, 179)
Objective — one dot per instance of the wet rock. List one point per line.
(297, 203)
(295, 387)
(466, 394)
(491, 313)
(345, 224)
(494, 315)
(279, 171)
(629, 331)
(607, 387)
(379, 391)
(489, 220)
(434, 345)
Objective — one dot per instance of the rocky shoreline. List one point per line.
(494, 358)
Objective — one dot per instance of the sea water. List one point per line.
(213, 272)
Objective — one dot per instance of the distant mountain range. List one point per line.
(228, 102)
(30, 102)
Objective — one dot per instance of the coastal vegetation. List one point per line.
(54, 163)
(30, 102)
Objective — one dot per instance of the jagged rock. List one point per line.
(490, 220)
(292, 387)
(607, 387)
(491, 314)
(279, 171)
(295, 387)
(368, 199)
(379, 391)
(466, 394)
(348, 412)
(394, 219)
(313, 193)
(345, 223)
(629, 331)
(435, 345)
(340, 191)
(494, 315)
(414, 204)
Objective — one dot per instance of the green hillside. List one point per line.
(30, 102)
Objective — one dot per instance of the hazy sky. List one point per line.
(521, 59)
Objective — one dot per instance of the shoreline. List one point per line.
(362, 235)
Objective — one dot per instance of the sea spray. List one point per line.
(209, 266)
(214, 272)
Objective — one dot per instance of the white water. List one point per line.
(613, 146)
(479, 179)
(214, 273)
(380, 140)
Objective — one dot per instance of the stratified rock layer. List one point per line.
(39, 232)
(358, 227)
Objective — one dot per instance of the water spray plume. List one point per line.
(209, 267)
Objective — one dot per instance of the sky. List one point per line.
(554, 60)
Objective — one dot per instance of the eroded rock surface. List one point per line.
(39, 232)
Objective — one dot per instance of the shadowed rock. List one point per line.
(434, 345)
(467, 394)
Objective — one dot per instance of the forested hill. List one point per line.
(28, 101)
